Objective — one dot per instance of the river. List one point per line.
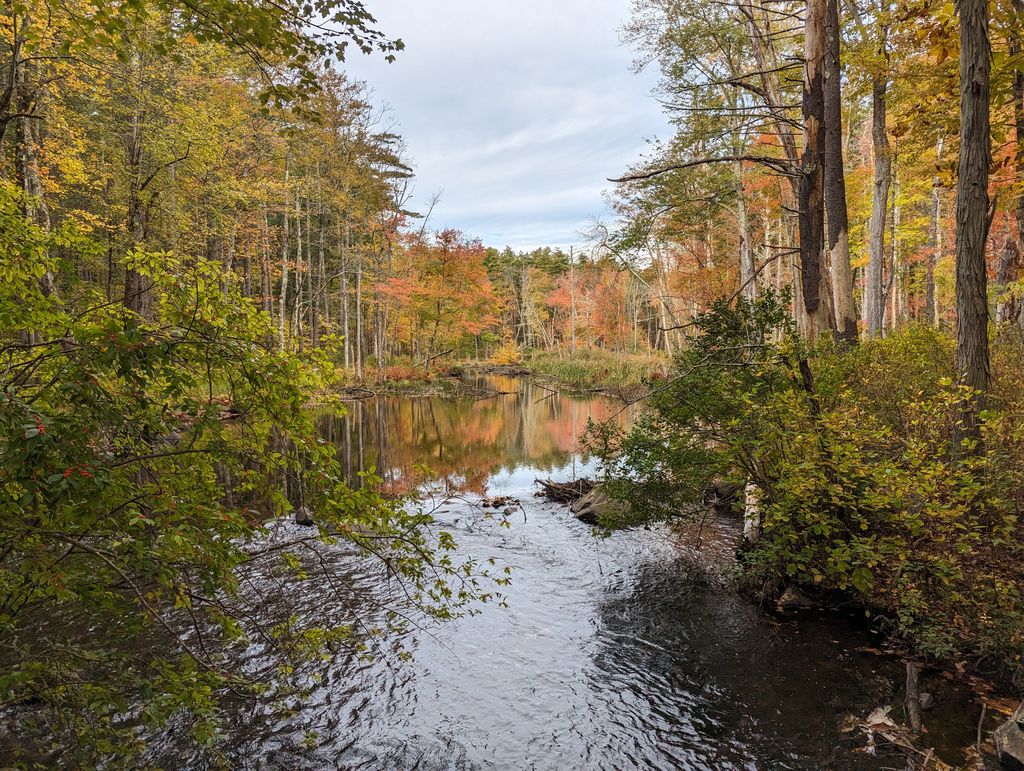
(618, 652)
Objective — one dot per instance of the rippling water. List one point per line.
(613, 653)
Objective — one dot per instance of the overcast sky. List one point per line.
(516, 111)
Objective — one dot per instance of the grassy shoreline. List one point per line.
(591, 370)
(599, 370)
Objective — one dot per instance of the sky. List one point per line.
(515, 111)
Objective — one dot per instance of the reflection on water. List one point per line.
(613, 653)
(511, 423)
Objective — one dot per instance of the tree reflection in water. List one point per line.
(464, 442)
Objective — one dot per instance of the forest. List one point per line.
(812, 287)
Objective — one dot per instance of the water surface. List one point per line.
(613, 652)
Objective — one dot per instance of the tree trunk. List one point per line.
(310, 289)
(359, 317)
(913, 702)
(1007, 307)
(135, 293)
(8, 93)
(892, 297)
(572, 301)
(972, 215)
(813, 274)
(133, 282)
(1017, 91)
(344, 296)
(874, 295)
(267, 283)
(748, 284)
(297, 305)
(835, 183)
(751, 513)
(26, 156)
(26, 160)
(318, 307)
(931, 305)
(282, 303)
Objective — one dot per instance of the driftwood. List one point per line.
(478, 393)
(501, 502)
(913, 703)
(565, 492)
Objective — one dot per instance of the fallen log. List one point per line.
(565, 492)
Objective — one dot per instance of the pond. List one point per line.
(618, 652)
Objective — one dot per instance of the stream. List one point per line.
(618, 652)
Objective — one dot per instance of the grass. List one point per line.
(596, 368)
(586, 369)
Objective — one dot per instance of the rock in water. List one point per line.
(595, 505)
(793, 599)
(1010, 741)
(304, 517)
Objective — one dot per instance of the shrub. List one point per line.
(507, 354)
(139, 460)
(594, 368)
(862, 490)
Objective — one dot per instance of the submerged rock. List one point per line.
(1009, 739)
(794, 599)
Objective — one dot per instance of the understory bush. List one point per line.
(147, 463)
(862, 489)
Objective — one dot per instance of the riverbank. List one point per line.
(916, 715)
(599, 370)
(451, 383)
(591, 371)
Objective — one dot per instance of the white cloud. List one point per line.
(517, 110)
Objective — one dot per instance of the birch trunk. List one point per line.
(346, 331)
(751, 512)
(297, 305)
(359, 317)
(748, 269)
(282, 302)
(931, 302)
(874, 300)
